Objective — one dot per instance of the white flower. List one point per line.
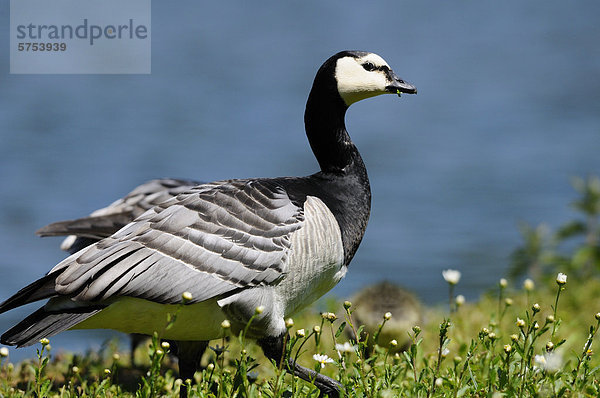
(3, 352)
(445, 352)
(539, 361)
(460, 300)
(520, 323)
(528, 285)
(346, 347)
(439, 382)
(503, 283)
(451, 276)
(550, 362)
(322, 359)
(561, 278)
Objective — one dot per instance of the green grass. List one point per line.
(478, 350)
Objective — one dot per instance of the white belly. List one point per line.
(201, 321)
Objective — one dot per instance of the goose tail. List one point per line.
(45, 323)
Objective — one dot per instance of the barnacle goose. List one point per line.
(279, 243)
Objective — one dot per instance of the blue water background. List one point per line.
(508, 110)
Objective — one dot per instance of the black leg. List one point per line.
(135, 340)
(189, 354)
(273, 349)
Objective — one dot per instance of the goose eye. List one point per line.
(369, 66)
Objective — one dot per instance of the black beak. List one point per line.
(399, 86)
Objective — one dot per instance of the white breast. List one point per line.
(315, 265)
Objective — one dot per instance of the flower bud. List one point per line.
(528, 285)
(550, 319)
(347, 304)
(535, 308)
(387, 316)
(520, 323)
(186, 297)
(507, 348)
(317, 329)
(394, 343)
(508, 301)
(259, 310)
(503, 283)
(549, 346)
(225, 324)
(44, 341)
(330, 316)
(514, 337)
(300, 333)
(165, 345)
(289, 323)
(561, 279)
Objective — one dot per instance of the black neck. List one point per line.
(326, 129)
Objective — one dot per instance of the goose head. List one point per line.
(360, 75)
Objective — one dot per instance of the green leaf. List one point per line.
(340, 330)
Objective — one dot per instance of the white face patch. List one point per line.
(355, 83)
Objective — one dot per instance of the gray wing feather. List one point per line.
(108, 220)
(210, 240)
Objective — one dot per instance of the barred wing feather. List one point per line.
(210, 240)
